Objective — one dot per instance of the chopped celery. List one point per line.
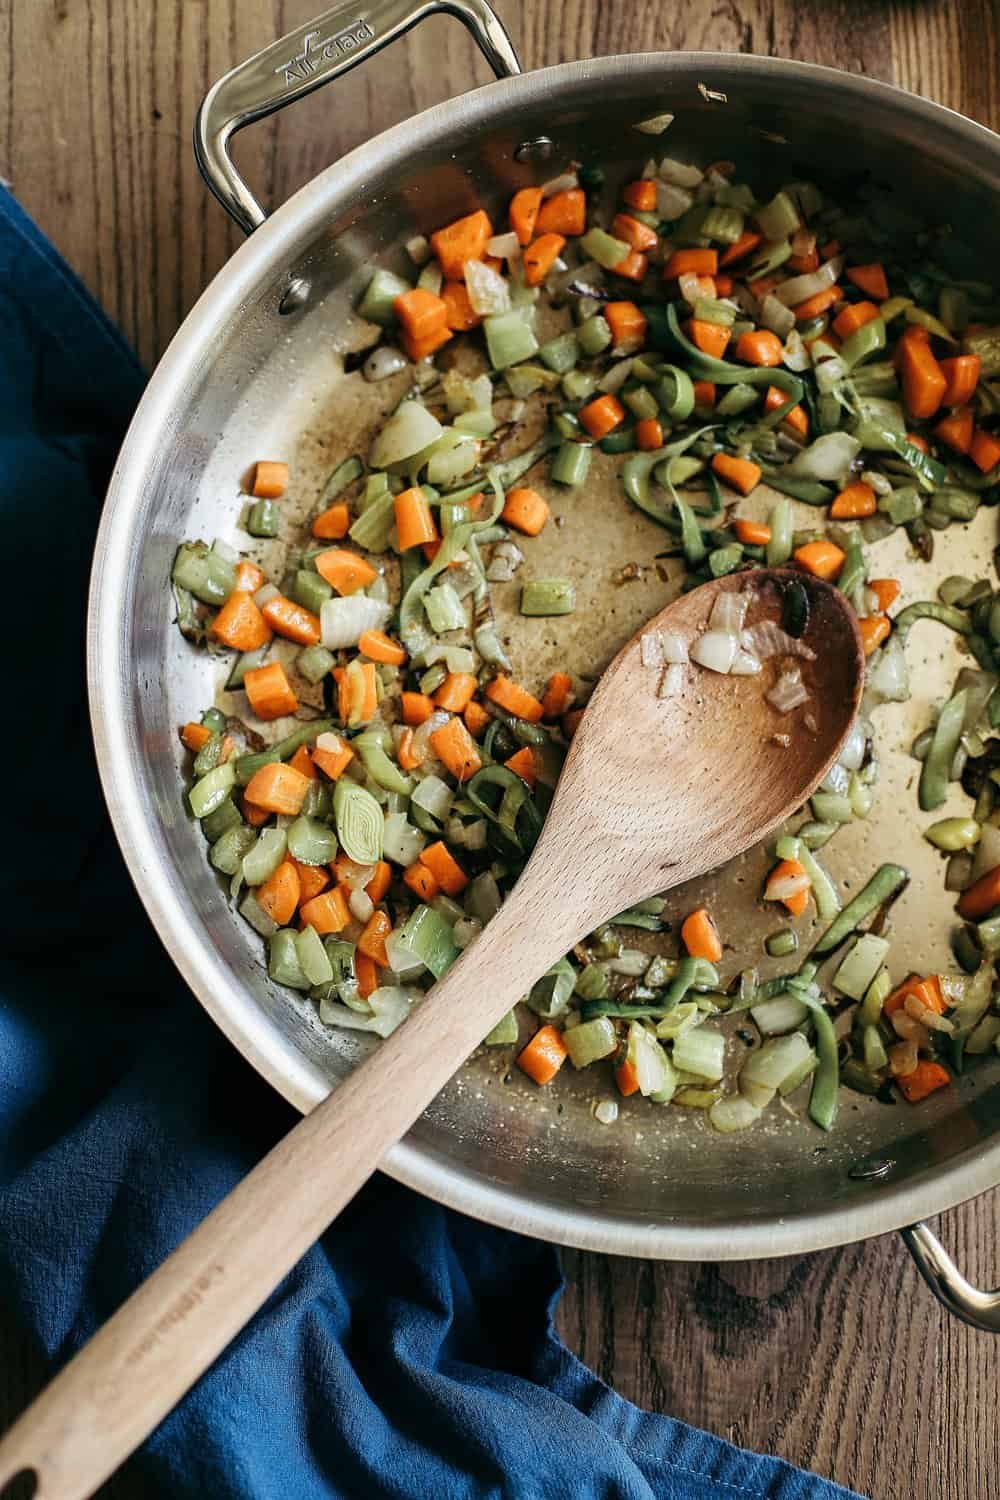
(264, 857)
(377, 303)
(372, 527)
(312, 956)
(504, 1033)
(428, 935)
(548, 596)
(212, 790)
(283, 960)
(311, 843)
(204, 573)
(608, 252)
(314, 663)
(561, 353)
(590, 1041)
(263, 519)
(444, 609)
(594, 335)
(571, 463)
(310, 590)
(508, 339)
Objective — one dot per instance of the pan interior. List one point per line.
(259, 384)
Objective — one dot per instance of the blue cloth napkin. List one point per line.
(411, 1354)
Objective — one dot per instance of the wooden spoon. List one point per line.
(654, 791)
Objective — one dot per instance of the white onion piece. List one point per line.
(465, 931)
(829, 373)
(349, 872)
(788, 692)
(766, 639)
(776, 316)
(505, 246)
(746, 301)
(671, 202)
(733, 1113)
(410, 428)
(744, 665)
(800, 288)
(606, 1112)
(489, 294)
(224, 550)
(794, 353)
(649, 170)
(803, 242)
(361, 905)
(615, 377)
(418, 249)
(343, 621)
(878, 482)
(715, 650)
(987, 855)
(729, 612)
(680, 173)
(422, 734)
(651, 649)
(655, 125)
(675, 646)
(926, 1017)
(507, 558)
(853, 754)
(561, 184)
(828, 458)
(672, 682)
(383, 362)
(781, 887)
(265, 594)
(692, 287)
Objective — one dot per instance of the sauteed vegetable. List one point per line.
(747, 354)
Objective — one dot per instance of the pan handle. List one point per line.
(305, 59)
(977, 1308)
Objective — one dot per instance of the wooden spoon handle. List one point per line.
(137, 1367)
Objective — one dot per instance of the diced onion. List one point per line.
(507, 558)
(355, 876)
(504, 246)
(829, 373)
(422, 734)
(776, 316)
(465, 931)
(788, 692)
(361, 905)
(783, 887)
(265, 594)
(776, 1061)
(418, 249)
(794, 353)
(630, 961)
(828, 458)
(606, 1112)
(343, 621)
(853, 754)
(489, 294)
(675, 646)
(715, 650)
(672, 682)
(729, 612)
(680, 173)
(671, 201)
(733, 1113)
(766, 639)
(800, 288)
(561, 184)
(410, 428)
(651, 649)
(383, 362)
(224, 550)
(926, 1017)
(655, 125)
(744, 665)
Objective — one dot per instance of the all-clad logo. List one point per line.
(318, 49)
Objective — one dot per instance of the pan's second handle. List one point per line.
(305, 59)
(977, 1308)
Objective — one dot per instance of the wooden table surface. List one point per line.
(842, 1361)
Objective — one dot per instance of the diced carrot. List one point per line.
(332, 524)
(822, 559)
(956, 429)
(312, 879)
(465, 239)
(796, 900)
(523, 213)
(602, 415)
(886, 591)
(961, 372)
(540, 256)
(648, 434)
(984, 450)
(525, 510)
(558, 695)
(854, 316)
(372, 940)
(870, 279)
(570, 722)
(634, 232)
(328, 912)
(446, 870)
(813, 306)
(751, 533)
(269, 691)
(704, 393)
(795, 420)
(830, 249)
(981, 896)
(332, 754)
(710, 338)
(723, 285)
(913, 333)
(289, 619)
(357, 692)
(278, 788)
(924, 382)
(633, 267)
(700, 936)
(380, 882)
(641, 194)
(419, 348)
(524, 763)
(563, 213)
(344, 571)
(544, 1055)
(918, 441)
(420, 312)
(270, 480)
(926, 1077)
(414, 522)
(802, 264)
(408, 758)
(748, 240)
(240, 624)
(874, 629)
(249, 578)
(302, 761)
(854, 501)
(627, 323)
(456, 691)
(627, 1079)
(195, 736)
(454, 745)
(255, 816)
(739, 473)
(366, 973)
(691, 262)
(476, 718)
(460, 315)
(796, 905)
(763, 285)
(380, 647)
(514, 699)
(279, 894)
(421, 882)
(416, 707)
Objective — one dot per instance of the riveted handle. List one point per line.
(305, 59)
(977, 1308)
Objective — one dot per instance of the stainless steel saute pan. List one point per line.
(257, 371)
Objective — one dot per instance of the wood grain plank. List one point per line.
(841, 1361)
